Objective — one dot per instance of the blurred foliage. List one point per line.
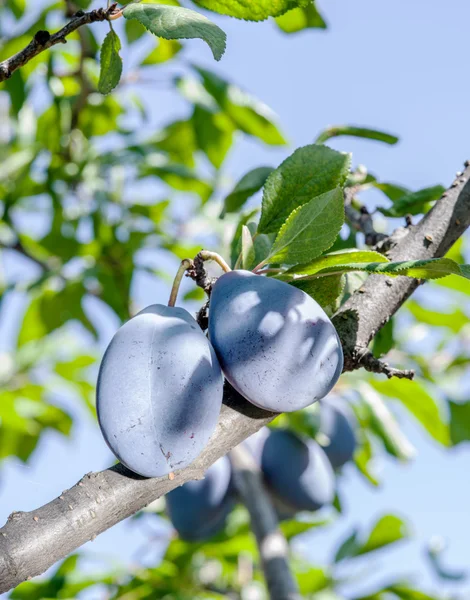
(94, 195)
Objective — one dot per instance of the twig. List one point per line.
(199, 274)
(29, 546)
(374, 365)
(361, 219)
(367, 311)
(272, 545)
(43, 40)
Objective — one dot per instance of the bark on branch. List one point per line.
(43, 40)
(272, 545)
(32, 542)
(367, 311)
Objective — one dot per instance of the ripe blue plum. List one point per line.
(298, 471)
(337, 426)
(198, 509)
(275, 344)
(159, 391)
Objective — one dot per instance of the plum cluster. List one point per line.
(160, 384)
(299, 475)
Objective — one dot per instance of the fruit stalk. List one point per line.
(184, 266)
(207, 255)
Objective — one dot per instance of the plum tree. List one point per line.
(337, 425)
(159, 391)
(198, 509)
(297, 472)
(275, 344)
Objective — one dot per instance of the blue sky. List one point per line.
(398, 66)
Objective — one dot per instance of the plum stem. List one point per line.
(184, 266)
(207, 255)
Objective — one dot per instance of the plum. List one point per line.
(198, 509)
(337, 426)
(275, 344)
(297, 472)
(159, 391)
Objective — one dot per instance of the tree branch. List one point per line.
(272, 545)
(43, 40)
(367, 311)
(32, 542)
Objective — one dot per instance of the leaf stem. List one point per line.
(207, 255)
(259, 267)
(184, 266)
(116, 15)
(263, 271)
(239, 260)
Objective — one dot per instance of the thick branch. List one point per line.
(272, 545)
(32, 542)
(366, 312)
(44, 40)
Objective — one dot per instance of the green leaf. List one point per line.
(325, 291)
(165, 50)
(17, 7)
(360, 132)
(176, 23)
(235, 244)
(459, 422)
(251, 11)
(420, 404)
(111, 63)
(454, 321)
(291, 529)
(298, 19)
(178, 141)
(248, 185)
(307, 173)
(213, 134)
(431, 268)
(16, 88)
(134, 30)
(50, 310)
(363, 459)
(391, 190)
(348, 547)
(248, 250)
(333, 260)
(246, 112)
(414, 203)
(384, 341)
(180, 178)
(383, 424)
(388, 530)
(310, 229)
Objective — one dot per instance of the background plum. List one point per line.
(337, 425)
(198, 509)
(298, 471)
(275, 344)
(159, 391)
